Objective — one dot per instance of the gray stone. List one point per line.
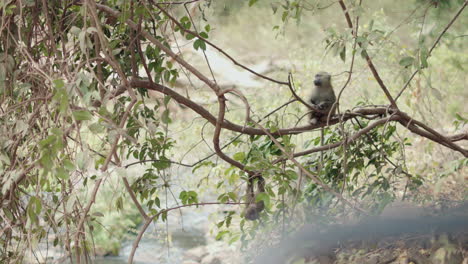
(190, 262)
(196, 254)
(210, 260)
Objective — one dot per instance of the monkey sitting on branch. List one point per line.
(323, 98)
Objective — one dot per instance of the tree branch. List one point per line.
(136, 83)
(216, 47)
(432, 48)
(368, 59)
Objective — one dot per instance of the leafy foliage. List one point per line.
(97, 104)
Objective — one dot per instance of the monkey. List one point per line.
(253, 208)
(322, 97)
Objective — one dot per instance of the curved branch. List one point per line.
(217, 48)
(217, 133)
(137, 83)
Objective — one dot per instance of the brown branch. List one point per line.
(116, 66)
(180, 2)
(423, 130)
(217, 48)
(134, 199)
(217, 133)
(348, 140)
(458, 137)
(368, 59)
(314, 178)
(162, 47)
(136, 83)
(97, 184)
(435, 133)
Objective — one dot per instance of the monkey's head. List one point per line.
(322, 79)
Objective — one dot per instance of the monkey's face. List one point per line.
(322, 79)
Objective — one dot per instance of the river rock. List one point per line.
(210, 259)
(196, 254)
(190, 262)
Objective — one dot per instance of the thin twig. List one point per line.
(433, 46)
(217, 48)
(165, 211)
(368, 59)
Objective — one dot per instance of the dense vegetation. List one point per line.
(113, 114)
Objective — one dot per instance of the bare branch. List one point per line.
(368, 59)
(134, 199)
(217, 48)
(432, 48)
(249, 130)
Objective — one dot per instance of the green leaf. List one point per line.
(364, 54)
(220, 235)
(165, 117)
(284, 16)
(239, 156)
(199, 43)
(98, 214)
(292, 175)
(62, 173)
(167, 99)
(371, 24)
(119, 203)
(204, 35)
(208, 28)
(167, 76)
(232, 196)
(189, 36)
(274, 7)
(58, 83)
(75, 30)
(82, 39)
(47, 141)
(96, 128)
(68, 165)
(343, 53)
(252, 2)
(37, 204)
(436, 93)
(263, 197)
(184, 19)
(406, 61)
(157, 202)
(162, 163)
(460, 118)
(80, 115)
(423, 56)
